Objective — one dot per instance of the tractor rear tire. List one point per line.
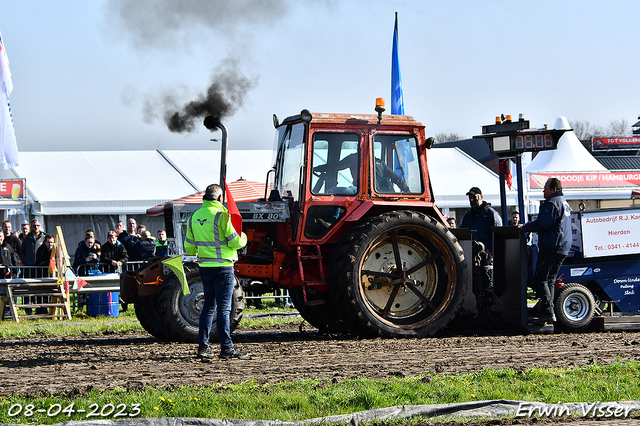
(575, 307)
(378, 297)
(323, 316)
(181, 312)
(146, 308)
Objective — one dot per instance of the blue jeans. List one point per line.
(218, 283)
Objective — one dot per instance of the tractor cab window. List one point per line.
(397, 165)
(335, 163)
(290, 143)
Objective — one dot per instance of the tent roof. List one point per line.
(453, 173)
(130, 182)
(571, 155)
(251, 165)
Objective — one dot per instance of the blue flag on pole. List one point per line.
(397, 100)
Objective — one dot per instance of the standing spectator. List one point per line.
(139, 230)
(451, 221)
(137, 250)
(515, 218)
(211, 236)
(480, 219)
(90, 233)
(9, 238)
(8, 259)
(162, 246)
(131, 226)
(86, 254)
(147, 244)
(25, 231)
(43, 255)
(43, 258)
(553, 226)
(119, 227)
(31, 243)
(113, 254)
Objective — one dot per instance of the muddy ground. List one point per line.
(72, 365)
(35, 365)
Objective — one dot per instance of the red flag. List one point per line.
(236, 217)
(504, 167)
(81, 282)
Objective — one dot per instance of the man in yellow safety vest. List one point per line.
(210, 235)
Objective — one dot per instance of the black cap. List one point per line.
(474, 191)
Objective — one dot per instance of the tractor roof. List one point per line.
(371, 119)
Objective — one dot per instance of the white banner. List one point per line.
(610, 233)
(8, 145)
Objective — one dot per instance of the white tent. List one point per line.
(203, 166)
(453, 173)
(571, 155)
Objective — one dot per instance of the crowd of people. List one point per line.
(28, 254)
(32, 249)
(134, 243)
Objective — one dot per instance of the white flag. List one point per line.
(8, 146)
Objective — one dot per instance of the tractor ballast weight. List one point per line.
(350, 228)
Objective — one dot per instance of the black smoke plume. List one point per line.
(222, 99)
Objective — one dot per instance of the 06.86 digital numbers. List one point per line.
(534, 142)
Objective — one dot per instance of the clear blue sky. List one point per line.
(83, 70)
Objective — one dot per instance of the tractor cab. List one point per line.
(334, 168)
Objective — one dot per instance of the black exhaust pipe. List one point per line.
(212, 124)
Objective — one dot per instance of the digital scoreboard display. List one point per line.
(529, 141)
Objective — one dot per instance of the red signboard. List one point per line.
(619, 142)
(12, 189)
(587, 180)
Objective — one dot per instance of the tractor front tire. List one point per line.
(181, 312)
(146, 308)
(400, 274)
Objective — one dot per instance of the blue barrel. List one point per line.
(103, 304)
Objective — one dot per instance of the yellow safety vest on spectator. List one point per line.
(211, 236)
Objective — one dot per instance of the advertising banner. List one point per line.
(610, 233)
(572, 180)
(12, 189)
(619, 142)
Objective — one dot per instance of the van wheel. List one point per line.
(400, 274)
(574, 306)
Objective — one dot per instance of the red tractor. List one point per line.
(350, 229)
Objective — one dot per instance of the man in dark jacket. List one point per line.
(553, 226)
(30, 245)
(480, 219)
(8, 258)
(9, 238)
(112, 253)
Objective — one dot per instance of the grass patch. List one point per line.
(307, 399)
(80, 323)
(126, 322)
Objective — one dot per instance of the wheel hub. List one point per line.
(190, 305)
(379, 288)
(576, 307)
